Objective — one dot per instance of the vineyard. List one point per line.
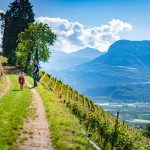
(105, 130)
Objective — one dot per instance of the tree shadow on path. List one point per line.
(16, 90)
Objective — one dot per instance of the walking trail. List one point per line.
(7, 88)
(35, 133)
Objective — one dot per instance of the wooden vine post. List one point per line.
(114, 140)
(49, 83)
(42, 77)
(55, 85)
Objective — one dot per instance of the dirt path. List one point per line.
(7, 88)
(35, 133)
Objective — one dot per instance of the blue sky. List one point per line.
(91, 14)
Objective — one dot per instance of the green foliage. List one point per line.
(15, 20)
(13, 108)
(33, 44)
(147, 130)
(2, 61)
(107, 130)
(3, 83)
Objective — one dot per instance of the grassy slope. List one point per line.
(3, 83)
(65, 130)
(13, 109)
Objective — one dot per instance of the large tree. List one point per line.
(15, 20)
(33, 44)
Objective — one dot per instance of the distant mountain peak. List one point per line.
(122, 42)
(87, 53)
(87, 49)
(60, 60)
(127, 46)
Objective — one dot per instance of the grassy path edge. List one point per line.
(14, 109)
(65, 130)
(5, 90)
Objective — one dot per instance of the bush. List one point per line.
(147, 130)
(2, 61)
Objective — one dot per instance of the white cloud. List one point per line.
(72, 36)
(1, 11)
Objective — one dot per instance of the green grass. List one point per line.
(3, 83)
(13, 110)
(66, 134)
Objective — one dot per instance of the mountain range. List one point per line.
(120, 74)
(60, 60)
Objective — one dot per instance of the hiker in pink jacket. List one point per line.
(21, 80)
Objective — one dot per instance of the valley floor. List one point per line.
(136, 114)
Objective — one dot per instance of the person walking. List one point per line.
(21, 80)
(35, 72)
